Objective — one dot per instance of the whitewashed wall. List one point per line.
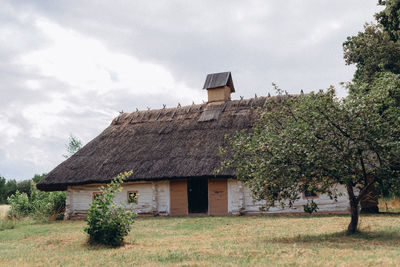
(240, 201)
(153, 198)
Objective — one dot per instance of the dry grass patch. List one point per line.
(211, 241)
(389, 205)
(3, 210)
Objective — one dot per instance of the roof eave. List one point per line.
(63, 186)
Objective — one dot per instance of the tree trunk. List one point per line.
(352, 228)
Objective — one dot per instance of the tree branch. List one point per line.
(363, 168)
(364, 191)
(334, 124)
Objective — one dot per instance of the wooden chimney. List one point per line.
(219, 87)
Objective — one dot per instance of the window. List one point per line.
(132, 197)
(96, 195)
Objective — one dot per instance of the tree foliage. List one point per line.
(320, 141)
(24, 187)
(109, 222)
(376, 51)
(7, 188)
(10, 187)
(41, 206)
(373, 52)
(74, 145)
(377, 48)
(37, 177)
(389, 18)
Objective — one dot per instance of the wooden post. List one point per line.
(154, 198)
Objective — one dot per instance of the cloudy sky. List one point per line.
(68, 67)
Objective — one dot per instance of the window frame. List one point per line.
(96, 193)
(136, 195)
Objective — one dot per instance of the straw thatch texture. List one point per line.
(157, 144)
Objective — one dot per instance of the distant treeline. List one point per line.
(8, 188)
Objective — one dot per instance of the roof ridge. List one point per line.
(141, 114)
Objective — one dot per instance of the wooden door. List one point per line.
(218, 197)
(178, 197)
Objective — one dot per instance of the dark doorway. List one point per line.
(198, 195)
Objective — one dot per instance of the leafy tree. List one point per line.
(37, 177)
(3, 194)
(377, 48)
(390, 83)
(320, 141)
(10, 188)
(373, 52)
(73, 146)
(389, 18)
(24, 187)
(7, 188)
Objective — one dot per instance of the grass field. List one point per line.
(212, 241)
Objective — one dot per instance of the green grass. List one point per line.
(211, 241)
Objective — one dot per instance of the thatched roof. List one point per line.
(159, 144)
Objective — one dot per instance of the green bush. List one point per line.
(19, 203)
(46, 206)
(41, 206)
(108, 222)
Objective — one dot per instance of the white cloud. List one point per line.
(321, 32)
(33, 84)
(8, 130)
(87, 64)
(93, 82)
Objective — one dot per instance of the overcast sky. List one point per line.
(68, 67)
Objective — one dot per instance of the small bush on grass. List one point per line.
(41, 206)
(108, 222)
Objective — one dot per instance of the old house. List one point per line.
(173, 153)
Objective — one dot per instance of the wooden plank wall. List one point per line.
(153, 197)
(217, 197)
(230, 197)
(241, 201)
(178, 197)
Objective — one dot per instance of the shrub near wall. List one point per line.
(108, 222)
(41, 206)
